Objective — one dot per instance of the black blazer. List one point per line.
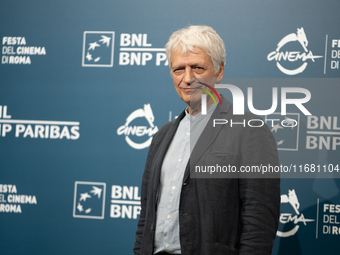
(217, 215)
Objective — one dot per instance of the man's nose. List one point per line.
(188, 75)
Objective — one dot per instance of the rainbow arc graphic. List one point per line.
(208, 92)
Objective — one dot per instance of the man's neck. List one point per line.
(198, 107)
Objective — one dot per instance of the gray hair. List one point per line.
(203, 37)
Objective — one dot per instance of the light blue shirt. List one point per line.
(171, 179)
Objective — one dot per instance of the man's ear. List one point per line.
(220, 73)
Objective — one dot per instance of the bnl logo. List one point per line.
(98, 49)
(89, 200)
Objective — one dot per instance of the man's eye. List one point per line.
(199, 69)
(178, 70)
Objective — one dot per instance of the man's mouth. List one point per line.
(190, 88)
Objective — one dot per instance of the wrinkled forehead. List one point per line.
(196, 55)
(184, 49)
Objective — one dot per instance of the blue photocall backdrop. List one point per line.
(84, 85)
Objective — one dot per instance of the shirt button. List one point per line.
(173, 187)
(180, 160)
(168, 217)
(167, 245)
(188, 134)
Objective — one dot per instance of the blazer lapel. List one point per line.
(208, 135)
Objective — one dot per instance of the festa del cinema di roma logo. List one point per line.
(286, 218)
(139, 131)
(292, 56)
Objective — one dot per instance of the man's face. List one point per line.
(191, 66)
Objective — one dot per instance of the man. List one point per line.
(183, 215)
